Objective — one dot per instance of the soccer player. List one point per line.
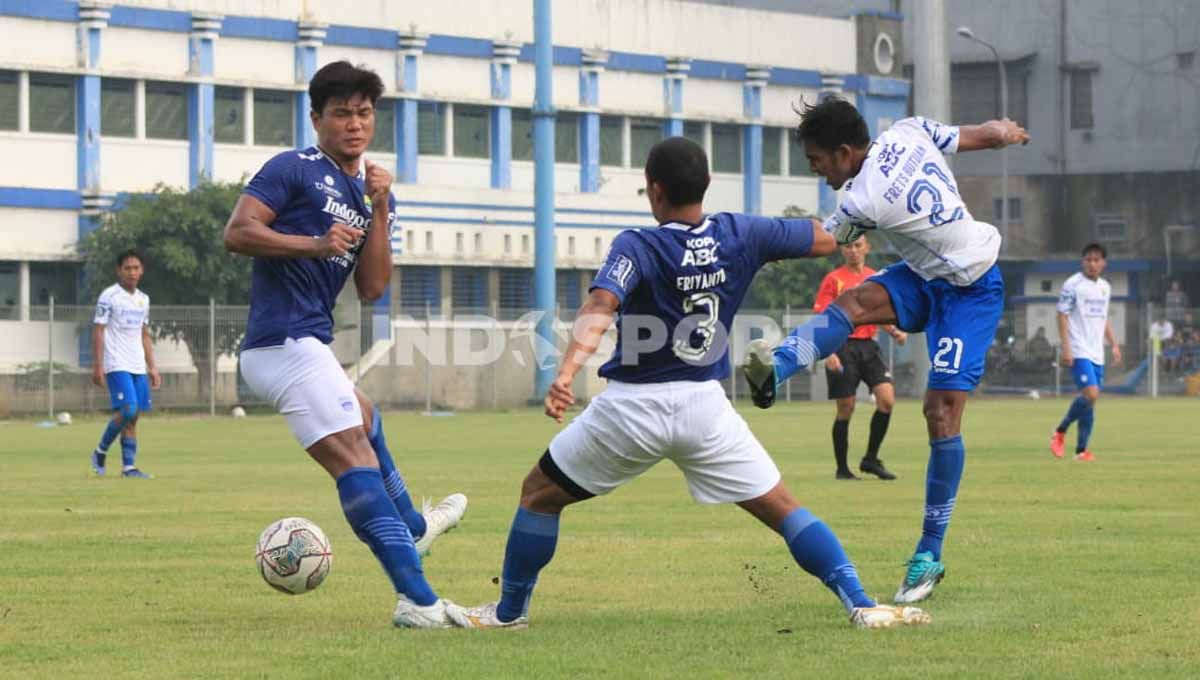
(676, 289)
(1083, 326)
(311, 218)
(858, 360)
(947, 286)
(123, 359)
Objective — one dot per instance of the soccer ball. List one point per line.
(238, 412)
(293, 555)
(63, 418)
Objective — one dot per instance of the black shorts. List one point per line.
(861, 360)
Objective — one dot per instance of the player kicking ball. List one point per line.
(309, 219)
(948, 284)
(1083, 326)
(679, 285)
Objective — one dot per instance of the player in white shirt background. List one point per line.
(1083, 326)
(948, 285)
(123, 356)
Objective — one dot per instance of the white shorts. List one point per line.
(307, 385)
(629, 427)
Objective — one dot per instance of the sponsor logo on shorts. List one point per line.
(120, 395)
(1083, 378)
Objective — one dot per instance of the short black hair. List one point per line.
(680, 166)
(831, 123)
(126, 254)
(343, 80)
(1094, 248)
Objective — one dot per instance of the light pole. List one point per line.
(967, 33)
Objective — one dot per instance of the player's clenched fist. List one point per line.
(379, 185)
(559, 399)
(339, 240)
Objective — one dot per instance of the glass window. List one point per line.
(51, 103)
(566, 291)
(385, 126)
(566, 138)
(797, 161)
(10, 289)
(117, 101)
(772, 137)
(694, 130)
(643, 134)
(431, 129)
(611, 130)
(9, 96)
(420, 286)
(470, 290)
(727, 148)
(471, 131)
(229, 115)
(1081, 101)
(59, 279)
(522, 135)
(516, 292)
(273, 118)
(976, 90)
(166, 110)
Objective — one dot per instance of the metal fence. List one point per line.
(486, 358)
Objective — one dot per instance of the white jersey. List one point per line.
(1085, 302)
(123, 314)
(905, 191)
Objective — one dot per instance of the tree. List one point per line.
(179, 235)
(795, 282)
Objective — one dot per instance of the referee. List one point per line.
(858, 359)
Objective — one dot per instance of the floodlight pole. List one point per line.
(543, 198)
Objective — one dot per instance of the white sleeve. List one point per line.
(944, 137)
(848, 221)
(1066, 299)
(146, 316)
(103, 310)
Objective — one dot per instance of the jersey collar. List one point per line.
(698, 228)
(362, 165)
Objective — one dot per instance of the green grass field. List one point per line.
(1055, 569)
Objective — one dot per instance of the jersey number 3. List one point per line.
(705, 326)
(937, 216)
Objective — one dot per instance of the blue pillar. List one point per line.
(677, 72)
(543, 197)
(311, 37)
(205, 28)
(407, 84)
(831, 85)
(752, 138)
(504, 55)
(93, 19)
(589, 121)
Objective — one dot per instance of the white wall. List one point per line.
(31, 234)
(33, 41)
(133, 165)
(42, 161)
(149, 53)
(254, 61)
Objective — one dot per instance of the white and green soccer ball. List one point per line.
(63, 418)
(293, 555)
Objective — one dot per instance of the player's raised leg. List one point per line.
(817, 550)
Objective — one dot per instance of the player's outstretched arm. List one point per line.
(824, 243)
(994, 134)
(249, 232)
(591, 322)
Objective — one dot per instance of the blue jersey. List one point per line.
(680, 286)
(294, 297)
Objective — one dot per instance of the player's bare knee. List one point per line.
(885, 401)
(941, 415)
(845, 408)
(1091, 395)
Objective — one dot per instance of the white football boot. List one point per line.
(441, 518)
(409, 614)
(887, 616)
(483, 616)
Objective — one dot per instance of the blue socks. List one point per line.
(815, 339)
(110, 435)
(1075, 412)
(392, 481)
(128, 451)
(1086, 420)
(377, 523)
(531, 543)
(946, 457)
(818, 552)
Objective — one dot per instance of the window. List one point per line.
(571, 246)
(522, 135)
(524, 244)
(385, 127)
(410, 240)
(10, 290)
(431, 129)
(644, 133)
(1081, 100)
(470, 131)
(797, 161)
(459, 243)
(772, 162)
(429, 241)
(470, 290)
(598, 246)
(9, 97)
(694, 130)
(508, 244)
(1185, 60)
(478, 243)
(229, 115)
(166, 111)
(273, 118)
(117, 101)
(566, 290)
(59, 279)
(611, 146)
(1110, 230)
(566, 138)
(1014, 210)
(516, 292)
(51, 103)
(420, 286)
(727, 148)
(976, 88)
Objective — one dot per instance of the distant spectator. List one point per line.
(1162, 329)
(1040, 351)
(1177, 303)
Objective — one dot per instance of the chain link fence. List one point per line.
(486, 358)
